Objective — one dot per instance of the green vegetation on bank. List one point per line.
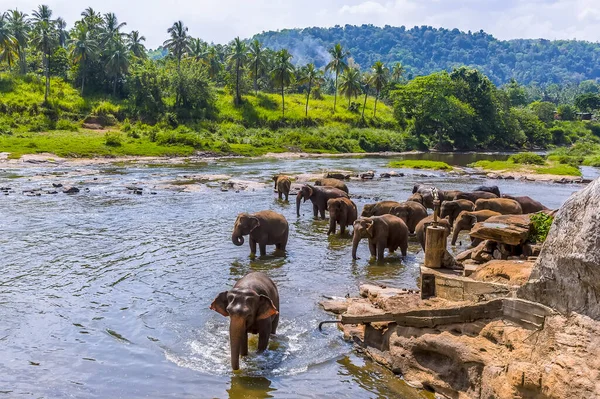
(525, 163)
(420, 164)
(540, 227)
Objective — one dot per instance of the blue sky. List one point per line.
(220, 21)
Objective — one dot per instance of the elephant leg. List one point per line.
(286, 196)
(322, 212)
(274, 324)
(380, 252)
(342, 229)
(264, 331)
(252, 246)
(280, 195)
(404, 248)
(372, 249)
(315, 211)
(263, 249)
(244, 346)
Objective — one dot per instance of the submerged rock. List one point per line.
(70, 190)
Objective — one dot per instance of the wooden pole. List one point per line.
(435, 246)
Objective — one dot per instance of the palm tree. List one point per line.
(135, 45)
(397, 71)
(310, 75)
(20, 28)
(256, 57)
(178, 44)
(8, 42)
(213, 62)
(111, 29)
(197, 49)
(118, 62)
(63, 34)
(44, 38)
(92, 19)
(366, 81)
(380, 80)
(350, 83)
(83, 48)
(283, 73)
(338, 65)
(237, 59)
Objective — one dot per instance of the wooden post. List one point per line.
(435, 246)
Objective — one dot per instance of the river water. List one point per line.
(106, 293)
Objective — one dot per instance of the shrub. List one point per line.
(126, 126)
(65, 124)
(112, 139)
(540, 226)
(528, 158)
(105, 108)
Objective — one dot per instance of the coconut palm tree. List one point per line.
(44, 39)
(92, 19)
(380, 79)
(366, 82)
(256, 58)
(197, 49)
(213, 62)
(62, 33)
(310, 75)
(8, 42)
(111, 29)
(283, 74)
(178, 43)
(118, 62)
(20, 29)
(350, 85)
(397, 72)
(237, 60)
(135, 45)
(83, 49)
(338, 65)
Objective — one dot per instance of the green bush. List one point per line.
(528, 158)
(113, 139)
(105, 108)
(65, 124)
(540, 226)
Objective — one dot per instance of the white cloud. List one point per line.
(368, 7)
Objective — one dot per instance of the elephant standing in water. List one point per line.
(264, 228)
(528, 204)
(466, 220)
(331, 182)
(421, 229)
(451, 209)
(386, 231)
(504, 206)
(282, 185)
(253, 307)
(319, 197)
(341, 211)
(411, 212)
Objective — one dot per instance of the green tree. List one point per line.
(61, 32)
(535, 131)
(283, 74)
(118, 62)
(256, 58)
(145, 90)
(544, 111)
(237, 60)
(20, 29)
(83, 49)
(310, 75)
(380, 80)
(178, 43)
(59, 63)
(367, 79)
(8, 43)
(337, 65)
(566, 112)
(397, 72)
(111, 30)
(92, 19)
(197, 49)
(213, 62)
(516, 93)
(196, 93)
(350, 84)
(44, 39)
(135, 45)
(588, 102)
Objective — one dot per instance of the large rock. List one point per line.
(507, 229)
(566, 275)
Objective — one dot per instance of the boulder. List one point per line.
(71, 190)
(506, 229)
(513, 272)
(566, 275)
(367, 175)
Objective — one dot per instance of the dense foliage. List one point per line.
(540, 227)
(424, 50)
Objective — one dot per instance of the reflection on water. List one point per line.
(106, 293)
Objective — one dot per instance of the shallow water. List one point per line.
(106, 293)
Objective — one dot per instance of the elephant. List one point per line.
(466, 220)
(426, 222)
(331, 182)
(341, 211)
(504, 206)
(378, 209)
(282, 185)
(416, 197)
(319, 197)
(426, 195)
(421, 188)
(386, 231)
(451, 209)
(475, 195)
(489, 189)
(449, 195)
(252, 306)
(528, 204)
(264, 227)
(411, 213)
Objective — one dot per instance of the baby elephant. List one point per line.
(421, 229)
(264, 227)
(341, 211)
(282, 185)
(386, 231)
(253, 307)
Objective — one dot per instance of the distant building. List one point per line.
(584, 116)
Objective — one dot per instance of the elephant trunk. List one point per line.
(332, 220)
(237, 239)
(298, 199)
(237, 327)
(355, 240)
(455, 232)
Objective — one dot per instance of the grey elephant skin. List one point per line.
(282, 186)
(386, 231)
(504, 206)
(319, 197)
(264, 228)
(466, 220)
(252, 306)
(342, 212)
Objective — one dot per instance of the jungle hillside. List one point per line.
(93, 89)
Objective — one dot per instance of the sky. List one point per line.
(222, 20)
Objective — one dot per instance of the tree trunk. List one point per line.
(375, 109)
(282, 98)
(307, 97)
(237, 82)
(364, 105)
(335, 92)
(47, 74)
(115, 86)
(256, 77)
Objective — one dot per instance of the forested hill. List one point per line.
(423, 50)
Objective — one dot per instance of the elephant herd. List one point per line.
(253, 303)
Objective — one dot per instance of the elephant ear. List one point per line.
(266, 308)
(472, 220)
(220, 303)
(309, 192)
(254, 223)
(370, 228)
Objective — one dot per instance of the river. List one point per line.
(106, 293)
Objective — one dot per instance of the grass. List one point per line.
(420, 164)
(549, 168)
